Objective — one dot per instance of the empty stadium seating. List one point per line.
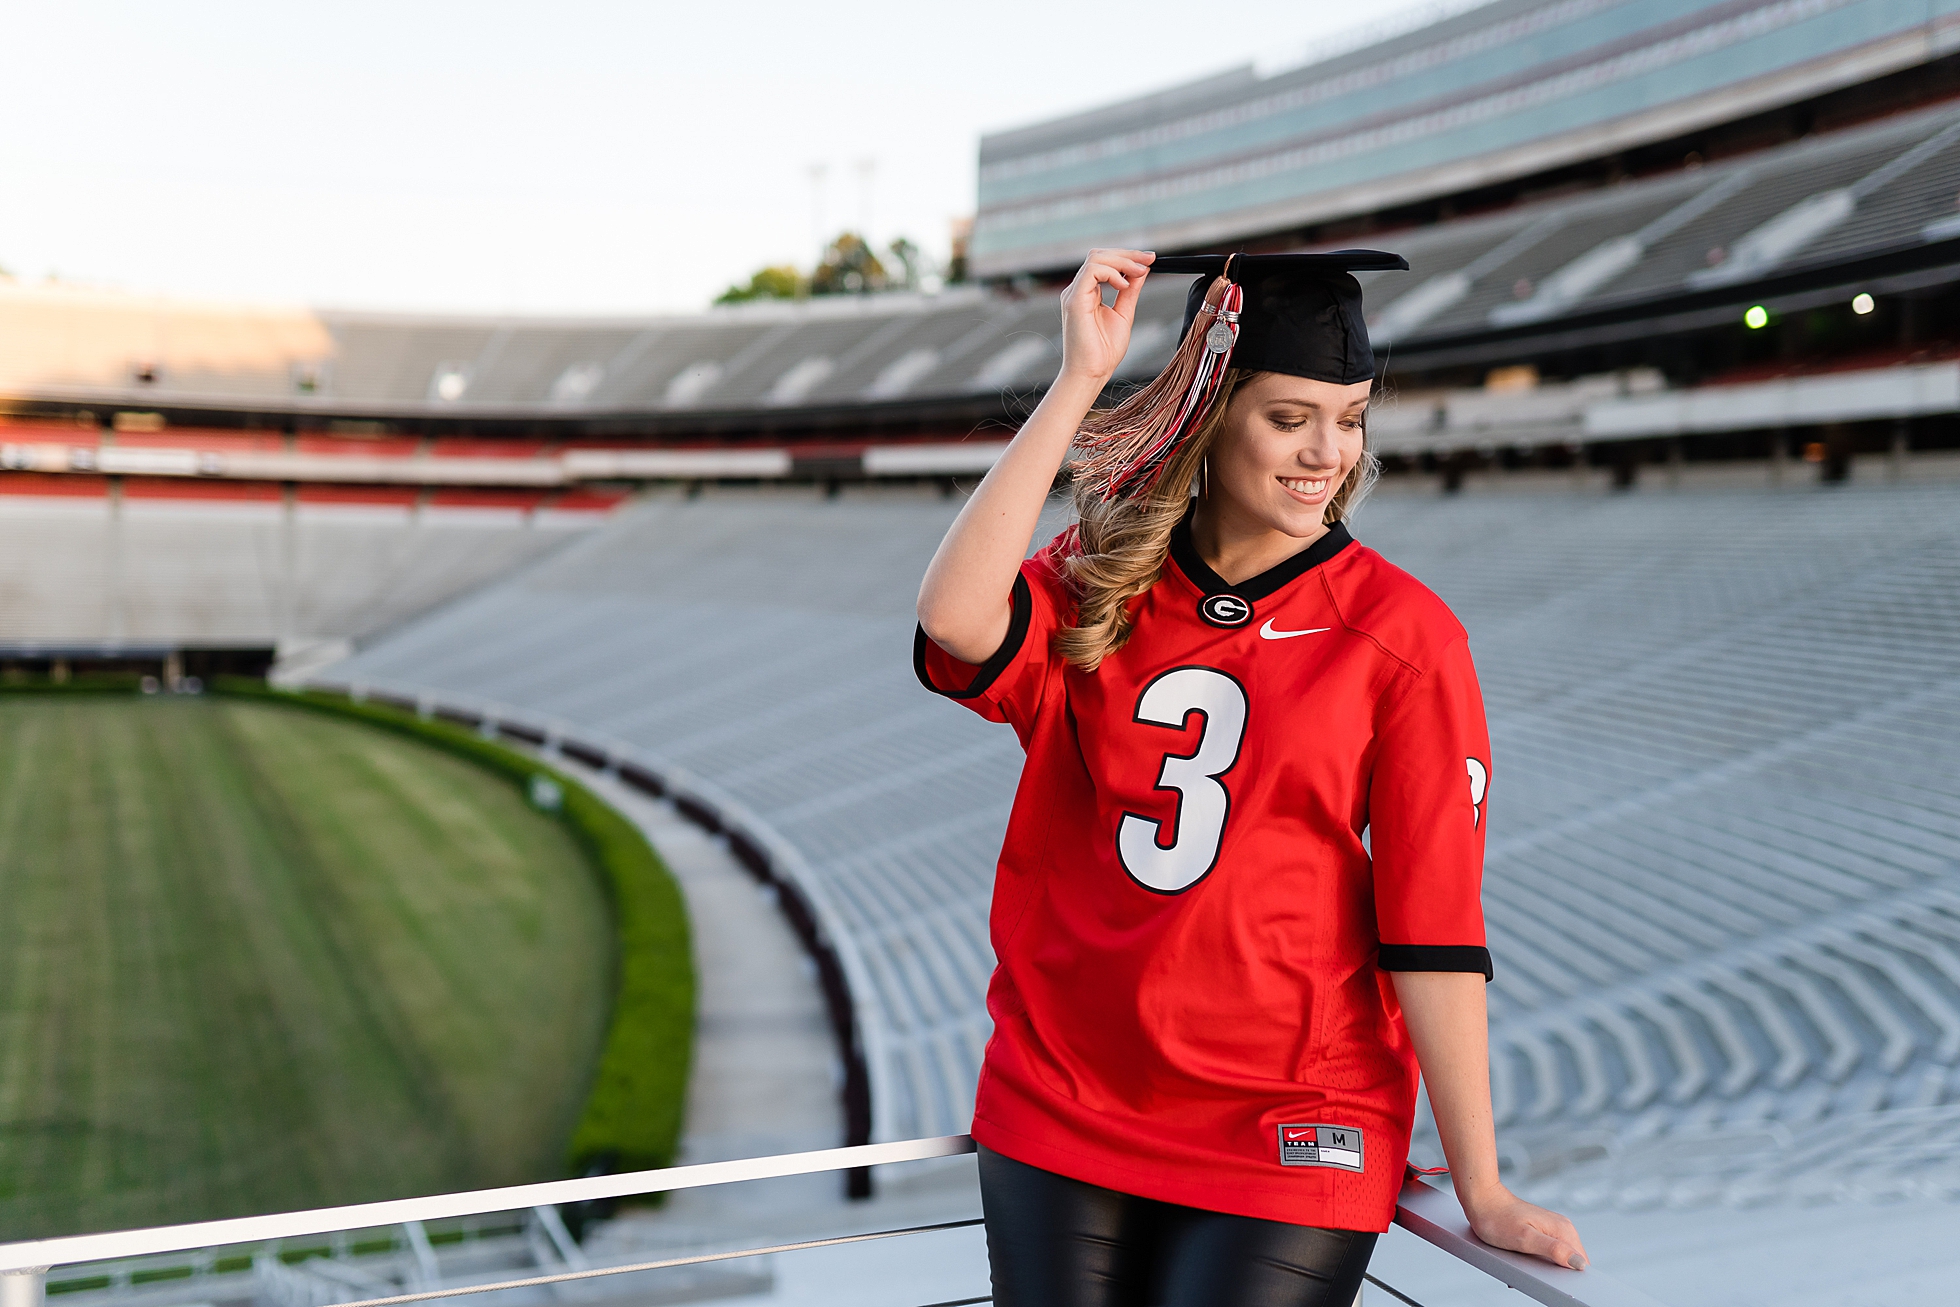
(191, 564)
(1724, 878)
(1815, 202)
(1465, 102)
(742, 357)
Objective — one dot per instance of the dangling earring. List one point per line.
(1204, 477)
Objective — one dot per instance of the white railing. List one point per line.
(1427, 1212)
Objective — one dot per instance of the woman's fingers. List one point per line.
(1135, 260)
(1106, 274)
(1561, 1248)
(1084, 294)
(1526, 1228)
(1096, 335)
(1126, 275)
(1116, 267)
(1126, 299)
(1568, 1250)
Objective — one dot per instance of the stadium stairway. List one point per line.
(1724, 873)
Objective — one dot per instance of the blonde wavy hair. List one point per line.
(1122, 542)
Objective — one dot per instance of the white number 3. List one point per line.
(1202, 802)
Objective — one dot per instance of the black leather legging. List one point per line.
(1057, 1242)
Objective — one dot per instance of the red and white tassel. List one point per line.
(1127, 456)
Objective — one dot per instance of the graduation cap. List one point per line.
(1294, 313)
(1301, 313)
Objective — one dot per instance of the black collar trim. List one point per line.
(1257, 587)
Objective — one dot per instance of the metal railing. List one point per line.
(1429, 1213)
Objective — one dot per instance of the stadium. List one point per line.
(1670, 418)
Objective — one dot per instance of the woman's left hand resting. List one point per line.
(1504, 1220)
(1450, 1028)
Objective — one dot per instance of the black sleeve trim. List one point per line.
(1017, 635)
(1436, 957)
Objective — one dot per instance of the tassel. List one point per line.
(1123, 451)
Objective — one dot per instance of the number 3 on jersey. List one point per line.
(1203, 803)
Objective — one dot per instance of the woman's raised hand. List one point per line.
(1095, 336)
(966, 599)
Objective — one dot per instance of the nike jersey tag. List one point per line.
(1267, 631)
(1338, 1146)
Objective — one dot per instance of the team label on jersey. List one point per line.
(1337, 1146)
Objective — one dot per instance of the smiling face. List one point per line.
(1285, 446)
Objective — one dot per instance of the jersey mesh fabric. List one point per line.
(1221, 840)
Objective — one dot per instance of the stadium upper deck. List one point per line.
(1510, 89)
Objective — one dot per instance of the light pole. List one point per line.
(867, 170)
(817, 173)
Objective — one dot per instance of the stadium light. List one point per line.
(1756, 317)
(1862, 303)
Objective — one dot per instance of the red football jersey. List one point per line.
(1223, 837)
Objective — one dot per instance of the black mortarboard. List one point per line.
(1302, 312)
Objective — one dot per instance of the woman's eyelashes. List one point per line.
(1289, 423)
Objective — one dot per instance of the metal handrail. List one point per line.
(65, 1250)
(1429, 1213)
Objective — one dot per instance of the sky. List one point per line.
(581, 156)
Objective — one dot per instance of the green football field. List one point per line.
(255, 959)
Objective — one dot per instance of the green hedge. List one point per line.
(632, 1121)
(81, 683)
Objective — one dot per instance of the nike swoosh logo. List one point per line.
(1267, 631)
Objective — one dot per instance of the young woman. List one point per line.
(1237, 905)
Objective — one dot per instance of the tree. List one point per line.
(848, 268)
(779, 282)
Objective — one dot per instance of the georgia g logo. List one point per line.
(1225, 610)
(1479, 783)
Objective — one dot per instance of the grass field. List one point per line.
(254, 958)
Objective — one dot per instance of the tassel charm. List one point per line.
(1224, 333)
